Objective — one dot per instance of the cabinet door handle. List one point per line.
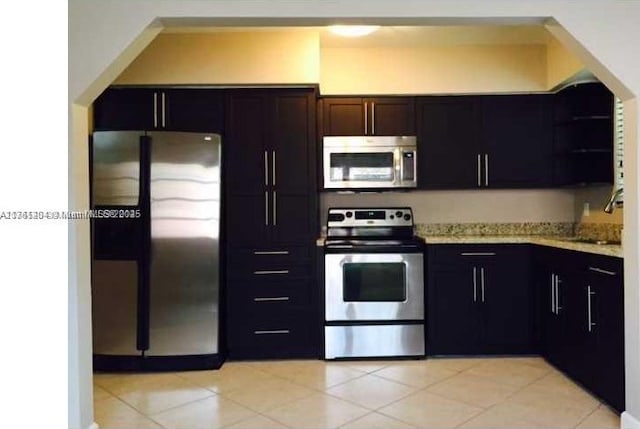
(366, 114)
(163, 110)
(553, 293)
(558, 281)
(373, 118)
(601, 271)
(486, 169)
(273, 168)
(275, 210)
(275, 298)
(155, 110)
(266, 169)
(590, 323)
(276, 331)
(475, 285)
(271, 252)
(266, 208)
(478, 254)
(267, 272)
(482, 283)
(479, 170)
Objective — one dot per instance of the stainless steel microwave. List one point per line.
(369, 162)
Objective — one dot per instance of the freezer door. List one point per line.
(184, 256)
(116, 168)
(114, 294)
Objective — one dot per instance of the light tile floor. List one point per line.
(492, 393)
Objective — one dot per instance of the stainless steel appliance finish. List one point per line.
(384, 286)
(369, 162)
(114, 292)
(155, 288)
(360, 341)
(374, 284)
(116, 168)
(185, 229)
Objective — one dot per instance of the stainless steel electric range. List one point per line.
(374, 284)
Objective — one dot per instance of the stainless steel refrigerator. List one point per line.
(155, 250)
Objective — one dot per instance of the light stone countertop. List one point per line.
(558, 242)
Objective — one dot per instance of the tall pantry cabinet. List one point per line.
(271, 217)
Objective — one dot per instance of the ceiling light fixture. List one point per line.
(353, 30)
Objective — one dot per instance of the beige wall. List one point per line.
(295, 56)
(262, 57)
(433, 70)
(561, 64)
(491, 206)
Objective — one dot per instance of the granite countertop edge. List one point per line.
(558, 242)
(550, 241)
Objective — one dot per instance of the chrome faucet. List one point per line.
(615, 196)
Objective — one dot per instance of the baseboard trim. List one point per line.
(629, 422)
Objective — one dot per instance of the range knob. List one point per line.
(407, 217)
(349, 214)
(398, 213)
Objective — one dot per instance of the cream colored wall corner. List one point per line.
(561, 64)
(261, 57)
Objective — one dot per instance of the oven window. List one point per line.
(372, 167)
(374, 282)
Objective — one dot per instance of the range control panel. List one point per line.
(356, 217)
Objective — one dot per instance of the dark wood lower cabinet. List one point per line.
(273, 297)
(486, 299)
(581, 314)
(479, 300)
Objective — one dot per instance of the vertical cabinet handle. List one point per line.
(266, 169)
(155, 110)
(482, 283)
(553, 293)
(475, 285)
(273, 168)
(373, 118)
(479, 169)
(486, 169)
(366, 113)
(275, 210)
(266, 208)
(558, 308)
(163, 110)
(590, 323)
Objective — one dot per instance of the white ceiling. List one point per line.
(409, 35)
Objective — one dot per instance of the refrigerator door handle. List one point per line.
(144, 260)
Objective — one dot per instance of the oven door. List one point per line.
(374, 286)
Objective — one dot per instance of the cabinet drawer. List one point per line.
(446, 254)
(461, 253)
(265, 256)
(268, 296)
(278, 335)
(269, 272)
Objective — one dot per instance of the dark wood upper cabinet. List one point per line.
(122, 109)
(448, 130)
(270, 161)
(193, 109)
(517, 137)
(358, 116)
(468, 142)
(160, 109)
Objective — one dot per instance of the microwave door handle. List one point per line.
(398, 166)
